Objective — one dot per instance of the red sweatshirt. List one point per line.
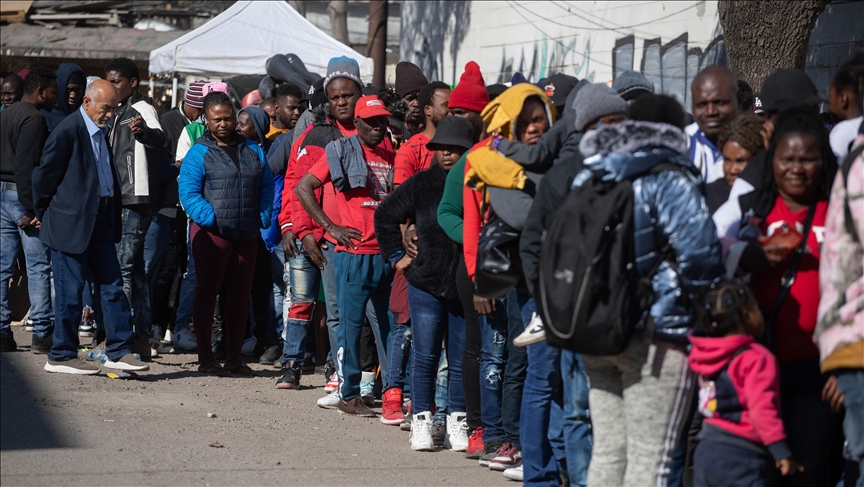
(755, 376)
(473, 221)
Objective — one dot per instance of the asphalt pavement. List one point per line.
(177, 427)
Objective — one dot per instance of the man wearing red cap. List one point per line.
(360, 169)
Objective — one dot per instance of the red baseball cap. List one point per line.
(370, 106)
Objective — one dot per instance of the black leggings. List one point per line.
(471, 358)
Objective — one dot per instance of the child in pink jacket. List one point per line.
(742, 438)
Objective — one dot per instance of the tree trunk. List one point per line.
(299, 6)
(338, 11)
(378, 39)
(764, 36)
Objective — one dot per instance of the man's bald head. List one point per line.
(100, 102)
(715, 102)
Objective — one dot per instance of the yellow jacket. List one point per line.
(488, 167)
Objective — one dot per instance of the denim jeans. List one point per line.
(363, 291)
(155, 243)
(442, 387)
(541, 384)
(281, 301)
(433, 318)
(328, 281)
(516, 369)
(397, 358)
(576, 428)
(38, 257)
(187, 288)
(493, 357)
(109, 299)
(305, 280)
(136, 222)
(851, 384)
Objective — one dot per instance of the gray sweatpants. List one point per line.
(639, 401)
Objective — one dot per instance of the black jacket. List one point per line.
(551, 191)
(434, 269)
(22, 135)
(66, 188)
(137, 157)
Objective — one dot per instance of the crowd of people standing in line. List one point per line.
(367, 225)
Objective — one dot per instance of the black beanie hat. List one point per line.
(409, 78)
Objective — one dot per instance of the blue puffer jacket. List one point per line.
(215, 195)
(669, 207)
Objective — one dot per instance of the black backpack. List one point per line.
(590, 293)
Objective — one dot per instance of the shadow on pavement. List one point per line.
(24, 424)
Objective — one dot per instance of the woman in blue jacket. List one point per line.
(226, 189)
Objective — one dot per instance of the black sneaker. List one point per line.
(309, 363)
(41, 345)
(7, 343)
(329, 370)
(271, 354)
(438, 432)
(290, 377)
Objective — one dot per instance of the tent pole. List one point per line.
(174, 92)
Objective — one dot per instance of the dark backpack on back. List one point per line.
(591, 295)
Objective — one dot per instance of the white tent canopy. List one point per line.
(241, 39)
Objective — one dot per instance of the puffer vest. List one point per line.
(233, 191)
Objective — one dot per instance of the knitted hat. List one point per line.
(629, 82)
(595, 101)
(787, 88)
(195, 94)
(409, 78)
(343, 67)
(470, 93)
(77, 78)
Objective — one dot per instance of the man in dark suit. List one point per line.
(76, 195)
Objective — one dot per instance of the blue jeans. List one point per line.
(851, 384)
(328, 281)
(109, 299)
(397, 357)
(136, 221)
(493, 357)
(538, 397)
(187, 288)
(577, 434)
(516, 369)
(155, 243)
(432, 318)
(442, 386)
(38, 257)
(363, 291)
(281, 296)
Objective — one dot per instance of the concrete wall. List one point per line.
(668, 41)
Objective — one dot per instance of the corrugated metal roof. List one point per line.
(73, 43)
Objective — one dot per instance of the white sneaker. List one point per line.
(249, 346)
(515, 473)
(333, 383)
(421, 432)
(456, 438)
(185, 340)
(28, 324)
(330, 400)
(535, 332)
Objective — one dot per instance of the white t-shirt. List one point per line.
(842, 136)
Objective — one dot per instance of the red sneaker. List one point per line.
(391, 407)
(333, 383)
(475, 445)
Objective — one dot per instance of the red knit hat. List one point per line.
(470, 93)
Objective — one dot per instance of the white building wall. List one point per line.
(669, 41)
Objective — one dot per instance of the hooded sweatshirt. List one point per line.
(755, 380)
(261, 121)
(61, 108)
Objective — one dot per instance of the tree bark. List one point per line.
(764, 36)
(299, 6)
(378, 39)
(338, 11)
